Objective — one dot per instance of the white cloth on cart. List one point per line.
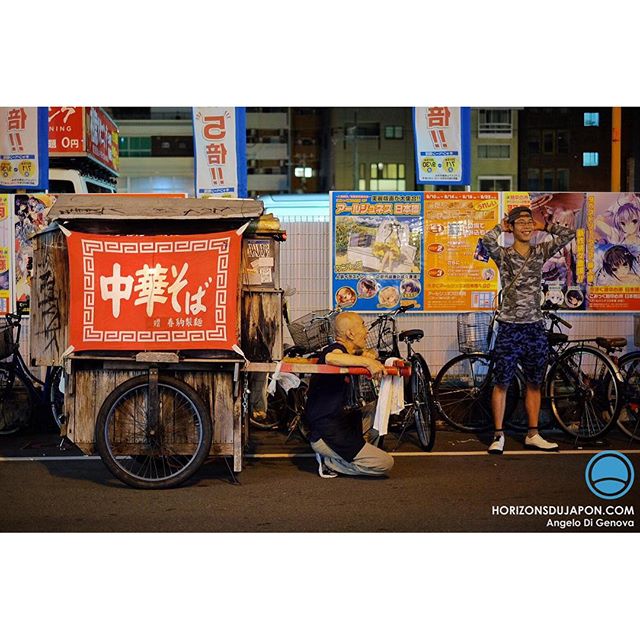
(390, 399)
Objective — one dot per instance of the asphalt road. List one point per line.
(450, 490)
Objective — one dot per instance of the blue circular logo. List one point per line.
(609, 475)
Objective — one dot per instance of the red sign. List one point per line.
(102, 138)
(66, 130)
(84, 131)
(154, 292)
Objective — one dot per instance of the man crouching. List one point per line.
(335, 423)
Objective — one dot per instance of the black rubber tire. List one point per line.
(424, 415)
(276, 411)
(462, 392)
(56, 396)
(16, 406)
(296, 400)
(159, 467)
(584, 405)
(629, 418)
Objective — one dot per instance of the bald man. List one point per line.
(336, 427)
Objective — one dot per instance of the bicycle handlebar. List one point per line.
(559, 320)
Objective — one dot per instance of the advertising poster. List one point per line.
(24, 158)
(30, 217)
(6, 238)
(613, 223)
(154, 292)
(377, 250)
(443, 144)
(456, 276)
(564, 276)
(220, 149)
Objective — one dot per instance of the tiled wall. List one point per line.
(305, 266)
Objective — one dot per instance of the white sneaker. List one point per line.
(323, 469)
(538, 442)
(497, 446)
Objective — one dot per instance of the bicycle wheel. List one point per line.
(462, 391)
(296, 400)
(423, 413)
(148, 458)
(56, 396)
(16, 406)
(276, 410)
(629, 418)
(583, 387)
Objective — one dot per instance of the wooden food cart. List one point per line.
(96, 376)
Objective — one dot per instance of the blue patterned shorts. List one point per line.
(524, 343)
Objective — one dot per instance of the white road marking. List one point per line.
(397, 454)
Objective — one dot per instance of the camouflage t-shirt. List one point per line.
(521, 300)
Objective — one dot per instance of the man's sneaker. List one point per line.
(538, 442)
(497, 446)
(323, 470)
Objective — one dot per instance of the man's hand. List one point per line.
(376, 368)
(370, 353)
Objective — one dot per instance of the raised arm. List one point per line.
(338, 358)
(490, 242)
(561, 237)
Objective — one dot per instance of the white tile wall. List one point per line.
(305, 258)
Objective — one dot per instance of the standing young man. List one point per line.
(521, 335)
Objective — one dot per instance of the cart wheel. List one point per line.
(145, 457)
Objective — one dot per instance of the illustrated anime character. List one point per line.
(410, 288)
(623, 226)
(619, 266)
(367, 288)
(346, 297)
(562, 266)
(388, 297)
(574, 298)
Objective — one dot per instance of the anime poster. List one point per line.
(457, 277)
(30, 216)
(6, 238)
(377, 250)
(613, 221)
(564, 274)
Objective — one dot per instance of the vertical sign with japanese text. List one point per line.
(24, 157)
(220, 152)
(377, 250)
(6, 239)
(154, 292)
(443, 145)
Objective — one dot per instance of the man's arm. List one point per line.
(490, 242)
(338, 358)
(561, 237)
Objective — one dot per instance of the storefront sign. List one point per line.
(154, 292)
(6, 239)
(443, 145)
(24, 159)
(84, 131)
(457, 277)
(377, 259)
(220, 152)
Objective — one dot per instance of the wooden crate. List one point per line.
(89, 384)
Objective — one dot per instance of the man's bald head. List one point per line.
(347, 321)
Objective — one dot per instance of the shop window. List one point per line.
(591, 119)
(590, 159)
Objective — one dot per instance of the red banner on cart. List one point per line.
(154, 292)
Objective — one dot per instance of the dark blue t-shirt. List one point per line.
(329, 413)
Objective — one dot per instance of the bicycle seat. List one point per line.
(557, 338)
(610, 344)
(412, 335)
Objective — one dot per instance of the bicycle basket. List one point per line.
(7, 342)
(313, 331)
(473, 331)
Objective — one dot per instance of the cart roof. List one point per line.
(105, 207)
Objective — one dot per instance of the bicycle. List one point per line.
(17, 383)
(419, 409)
(582, 383)
(629, 418)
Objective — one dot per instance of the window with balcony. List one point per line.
(495, 123)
